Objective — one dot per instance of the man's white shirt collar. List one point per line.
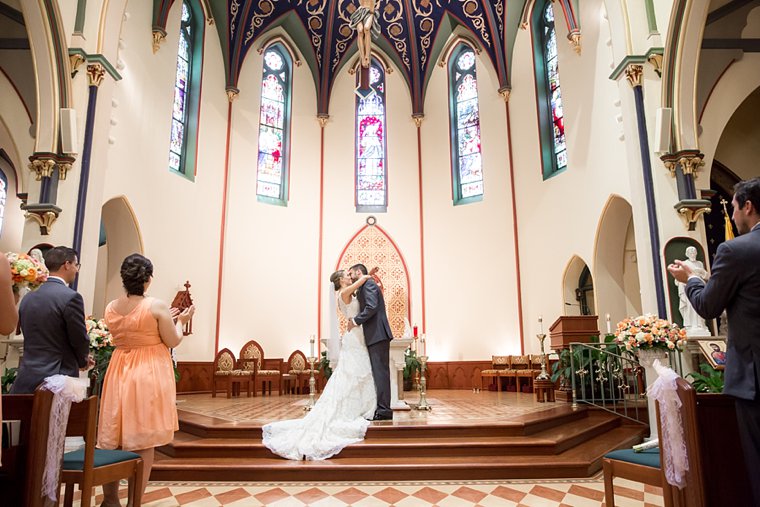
(58, 278)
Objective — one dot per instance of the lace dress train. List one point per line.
(339, 417)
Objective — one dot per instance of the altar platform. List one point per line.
(466, 435)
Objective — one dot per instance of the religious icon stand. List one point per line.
(182, 301)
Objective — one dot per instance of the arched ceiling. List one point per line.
(413, 34)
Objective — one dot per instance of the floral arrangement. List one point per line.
(649, 332)
(26, 271)
(101, 348)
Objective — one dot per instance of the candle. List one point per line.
(609, 329)
(540, 325)
(311, 340)
(415, 330)
(424, 345)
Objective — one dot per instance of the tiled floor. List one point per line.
(548, 493)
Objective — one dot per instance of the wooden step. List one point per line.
(579, 461)
(549, 441)
(209, 427)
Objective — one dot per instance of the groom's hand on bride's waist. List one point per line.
(351, 324)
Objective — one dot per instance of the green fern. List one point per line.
(710, 382)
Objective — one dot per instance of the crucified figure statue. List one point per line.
(364, 22)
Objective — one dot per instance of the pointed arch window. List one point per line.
(186, 104)
(371, 169)
(549, 93)
(464, 115)
(274, 126)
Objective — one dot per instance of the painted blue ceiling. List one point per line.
(413, 33)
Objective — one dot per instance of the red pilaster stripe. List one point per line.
(321, 221)
(514, 228)
(223, 227)
(422, 229)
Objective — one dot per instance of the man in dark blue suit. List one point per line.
(52, 321)
(734, 285)
(377, 335)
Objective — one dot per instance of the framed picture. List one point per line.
(715, 352)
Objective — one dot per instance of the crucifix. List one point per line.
(364, 22)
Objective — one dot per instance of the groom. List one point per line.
(377, 335)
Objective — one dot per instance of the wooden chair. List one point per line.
(646, 466)
(499, 364)
(297, 373)
(91, 467)
(16, 407)
(266, 371)
(228, 375)
(520, 370)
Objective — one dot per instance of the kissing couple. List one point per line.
(359, 388)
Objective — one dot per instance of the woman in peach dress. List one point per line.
(137, 409)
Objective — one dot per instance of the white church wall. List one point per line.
(178, 219)
(269, 285)
(739, 147)
(560, 217)
(470, 275)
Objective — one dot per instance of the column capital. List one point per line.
(505, 92)
(691, 209)
(232, 93)
(159, 36)
(44, 214)
(323, 118)
(633, 73)
(95, 73)
(575, 41)
(42, 165)
(418, 117)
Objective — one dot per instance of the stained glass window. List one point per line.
(371, 172)
(553, 122)
(273, 126)
(182, 85)
(467, 162)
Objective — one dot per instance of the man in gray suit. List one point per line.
(377, 336)
(735, 286)
(52, 320)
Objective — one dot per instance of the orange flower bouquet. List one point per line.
(648, 332)
(26, 271)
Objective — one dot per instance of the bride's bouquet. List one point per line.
(26, 271)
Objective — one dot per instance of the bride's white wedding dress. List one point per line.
(339, 417)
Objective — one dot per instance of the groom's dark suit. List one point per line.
(735, 285)
(55, 335)
(377, 336)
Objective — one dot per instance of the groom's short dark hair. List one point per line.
(360, 267)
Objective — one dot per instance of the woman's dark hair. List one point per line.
(135, 271)
(335, 278)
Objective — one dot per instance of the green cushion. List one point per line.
(74, 460)
(648, 458)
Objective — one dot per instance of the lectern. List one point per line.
(564, 331)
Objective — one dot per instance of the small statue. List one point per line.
(36, 254)
(692, 321)
(364, 22)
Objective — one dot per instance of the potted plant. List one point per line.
(324, 365)
(709, 381)
(7, 380)
(411, 366)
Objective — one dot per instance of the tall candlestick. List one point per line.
(423, 344)
(540, 325)
(311, 340)
(609, 329)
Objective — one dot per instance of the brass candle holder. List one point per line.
(423, 405)
(543, 375)
(312, 383)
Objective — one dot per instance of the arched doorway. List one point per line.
(119, 237)
(578, 288)
(617, 290)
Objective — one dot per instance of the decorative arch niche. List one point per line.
(571, 284)
(120, 237)
(373, 247)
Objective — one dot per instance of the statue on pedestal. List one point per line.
(692, 322)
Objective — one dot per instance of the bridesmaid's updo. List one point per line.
(336, 277)
(135, 271)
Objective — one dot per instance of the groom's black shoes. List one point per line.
(381, 417)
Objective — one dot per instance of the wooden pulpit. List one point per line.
(566, 330)
(573, 328)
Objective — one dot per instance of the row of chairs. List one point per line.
(21, 474)
(518, 368)
(251, 369)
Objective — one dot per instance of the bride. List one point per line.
(340, 416)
